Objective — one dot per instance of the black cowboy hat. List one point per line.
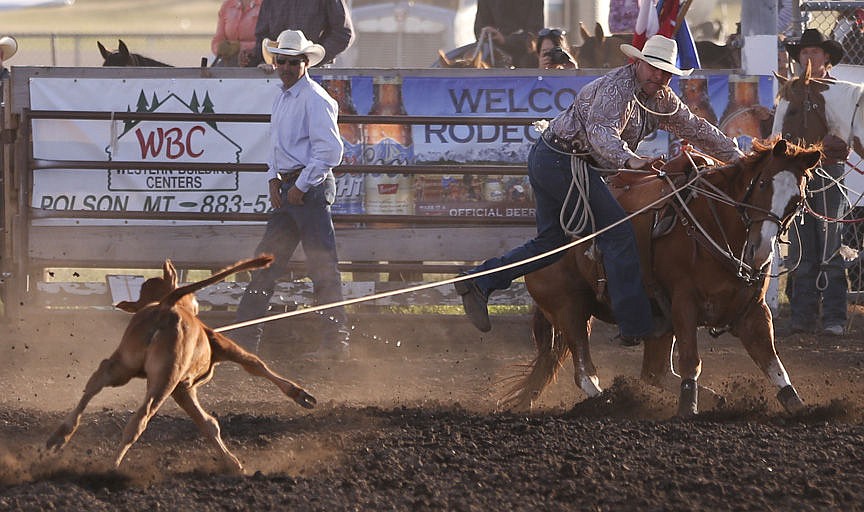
(813, 37)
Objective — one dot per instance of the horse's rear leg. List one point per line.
(110, 373)
(757, 335)
(551, 352)
(187, 398)
(577, 334)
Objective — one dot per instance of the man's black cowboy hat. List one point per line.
(813, 37)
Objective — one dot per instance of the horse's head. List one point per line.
(801, 115)
(808, 108)
(600, 50)
(119, 57)
(774, 177)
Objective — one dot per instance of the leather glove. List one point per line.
(834, 148)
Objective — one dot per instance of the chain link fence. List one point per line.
(840, 21)
(843, 21)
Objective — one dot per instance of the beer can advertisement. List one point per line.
(468, 195)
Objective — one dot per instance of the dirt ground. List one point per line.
(410, 423)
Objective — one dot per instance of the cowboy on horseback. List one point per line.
(598, 133)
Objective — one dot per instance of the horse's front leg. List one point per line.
(684, 321)
(756, 332)
(658, 371)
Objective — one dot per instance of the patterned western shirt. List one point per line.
(606, 121)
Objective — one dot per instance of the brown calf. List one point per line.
(166, 343)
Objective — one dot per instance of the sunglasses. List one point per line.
(554, 32)
(291, 62)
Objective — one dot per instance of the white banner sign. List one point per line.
(201, 191)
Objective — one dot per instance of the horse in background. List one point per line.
(603, 51)
(710, 267)
(123, 57)
(485, 54)
(815, 103)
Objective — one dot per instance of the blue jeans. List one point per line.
(816, 281)
(311, 225)
(550, 176)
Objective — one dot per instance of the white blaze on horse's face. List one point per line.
(785, 188)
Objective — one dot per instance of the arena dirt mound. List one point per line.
(628, 398)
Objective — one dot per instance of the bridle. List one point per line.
(714, 194)
(744, 208)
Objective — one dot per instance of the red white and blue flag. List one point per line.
(661, 17)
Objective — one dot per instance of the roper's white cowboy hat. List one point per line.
(292, 42)
(9, 46)
(659, 51)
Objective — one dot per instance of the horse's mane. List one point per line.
(759, 150)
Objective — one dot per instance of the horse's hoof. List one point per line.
(688, 401)
(790, 400)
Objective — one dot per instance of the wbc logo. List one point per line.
(175, 142)
(160, 141)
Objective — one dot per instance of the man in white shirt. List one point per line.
(306, 146)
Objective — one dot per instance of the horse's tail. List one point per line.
(543, 369)
(178, 293)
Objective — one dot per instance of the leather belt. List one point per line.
(289, 175)
(556, 142)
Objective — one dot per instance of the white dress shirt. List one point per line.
(304, 133)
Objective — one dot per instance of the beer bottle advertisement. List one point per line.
(694, 93)
(349, 186)
(388, 144)
(744, 117)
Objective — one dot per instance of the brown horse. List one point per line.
(711, 266)
(122, 57)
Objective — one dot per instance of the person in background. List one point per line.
(601, 130)
(509, 16)
(622, 15)
(818, 279)
(8, 48)
(234, 43)
(513, 26)
(306, 146)
(325, 22)
(553, 50)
